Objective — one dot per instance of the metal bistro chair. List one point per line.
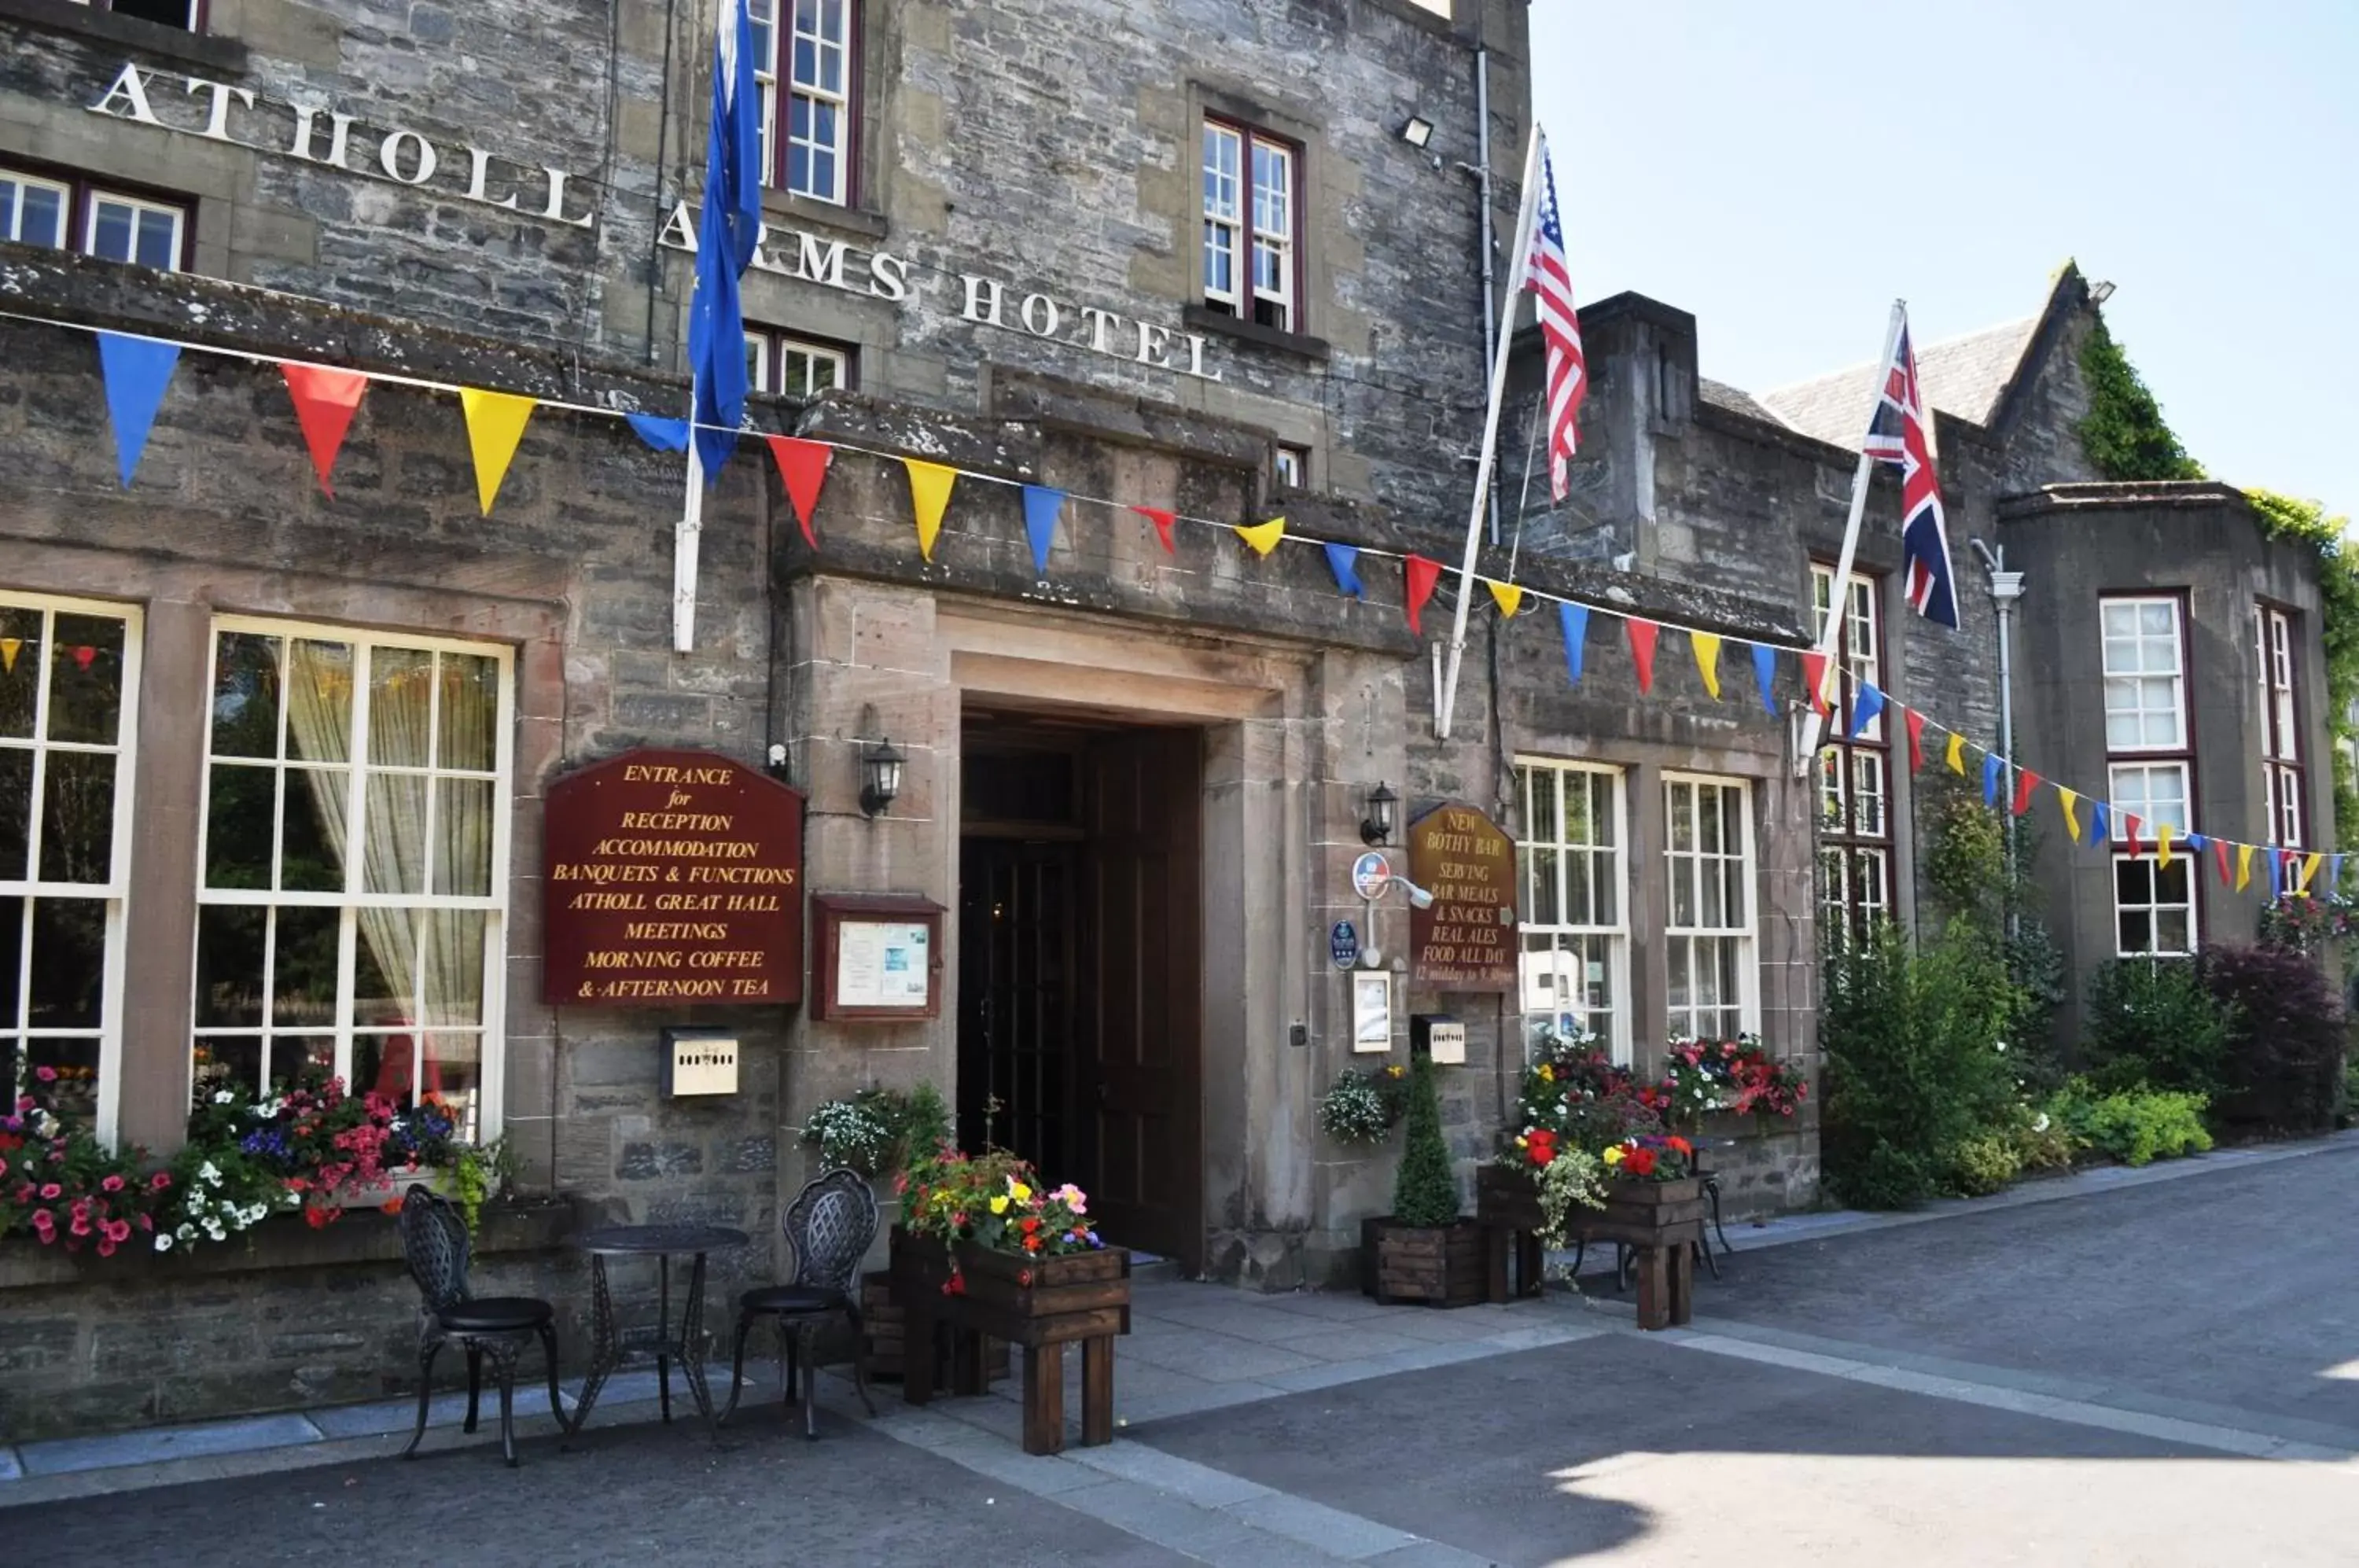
(830, 1226)
(434, 1244)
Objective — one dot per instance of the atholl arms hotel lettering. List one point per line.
(315, 132)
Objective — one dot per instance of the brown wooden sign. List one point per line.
(1466, 940)
(673, 878)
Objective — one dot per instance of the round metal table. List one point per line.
(663, 1242)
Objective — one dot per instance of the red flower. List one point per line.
(1679, 1145)
(158, 1181)
(1031, 1244)
(1639, 1162)
(1031, 1224)
(113, 1183)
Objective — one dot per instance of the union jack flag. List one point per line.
(1568, 371)
(1898, 434)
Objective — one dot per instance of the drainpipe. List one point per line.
(2006, 588)
(1490, 240)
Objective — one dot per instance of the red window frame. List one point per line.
(1247, 134)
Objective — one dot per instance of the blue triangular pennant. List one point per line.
(1573, 620)
(2101, 822)
(1866, 705)
(1041, 505)
(136, 371)
(1764, 675)
(664, 435)
(1341, 560)
(2334, 876)
(2276, 873)
(2195, 843)
(1992, 766)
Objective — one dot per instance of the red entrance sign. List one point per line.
(672, 877)
(1466, 940)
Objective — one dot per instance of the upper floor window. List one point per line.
(2146, 695)
(1290, 467)
(353, 879)
(794, 367)
(2281, 783)
(1575, 929)
(189, 16)
(1854, 773)
(69, 677)
(1252, 206)
(1708, 929)
(808, 52)
(75, 214)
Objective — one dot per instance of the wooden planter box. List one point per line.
(1440, 1266)
(1661, 1221)
(1041, 1303)
(1508, 1208)
(884, 1323)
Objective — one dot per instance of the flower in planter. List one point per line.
(1652, 1157)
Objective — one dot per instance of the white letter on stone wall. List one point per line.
(217, 117)
(131, 88)
(340, 131)
(1055, 317)
(389, 157)
(762, 256)
(1099, 322)
(978, 291)
(1154, 345)
(479, 165)
(678, 230)
(555, 212)
(819, 262)
(888, 276)
(1196, 357)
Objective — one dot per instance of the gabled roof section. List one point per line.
(1961, 377)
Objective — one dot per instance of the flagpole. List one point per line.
(1839, 597)
(1516, 270)
(686, 535)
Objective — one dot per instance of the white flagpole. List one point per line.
(1516, 270)
(1839, 599)
(686, 534)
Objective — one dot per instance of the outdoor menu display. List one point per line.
(1466, 941)
(670, 878)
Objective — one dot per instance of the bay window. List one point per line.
(1574, 920)
(1708, 925)
(353, 867)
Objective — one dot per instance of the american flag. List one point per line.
(1568, 372)
(1897, 434)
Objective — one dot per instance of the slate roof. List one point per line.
(1962, 377)
(1721, 395)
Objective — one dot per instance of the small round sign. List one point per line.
(1371, 875)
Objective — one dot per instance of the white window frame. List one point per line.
(1236, 208)
(2282, 784)
(2129, 789)
(116, 890)
(141, 209)
(1290, 466)
(2153, 906)
(1680, 944)
(1532, 772)
(193, 10)
(773, 353)
(12, 221)
(491, 1064)
(770, 37)
(2178, 674)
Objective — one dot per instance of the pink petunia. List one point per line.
(105, 1247)
(51, 1192)
(112, 1184)
(46, 1075)
(81, 1226)
(158, 1181)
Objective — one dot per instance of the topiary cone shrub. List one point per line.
(1425, 1193)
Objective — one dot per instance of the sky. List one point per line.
(1783, 168)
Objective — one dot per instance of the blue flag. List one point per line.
(664, 435)
(1992, 766)
(1573, 620)
(1866, 705)
(136, 371)
(727, 230)
(1041, 505)
(2101, 822)
(1764, 675)
(1342, 561)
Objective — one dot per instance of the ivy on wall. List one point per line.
(2306, 522)
(2123, 434)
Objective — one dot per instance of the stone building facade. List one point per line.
(1135, 780)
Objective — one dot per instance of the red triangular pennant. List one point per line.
(1162, 521)
(1814, 679)
(2130, 827)
(2025, 781)
(325, 402)
(1422, 575)
(2220, 858)
(1642, 650)
(803, 465)
(1916, 722)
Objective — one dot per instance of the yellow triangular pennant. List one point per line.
(2309, 869)
(1262, 537)
(930, 496)
(2163, 834)
(1957, 756)
(1508, 597)
(1707, 656)
(2244, 866)
(2072, 804)
(496, 423)
(8, 647)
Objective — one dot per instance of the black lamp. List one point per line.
(880, 776)
(1377, 827)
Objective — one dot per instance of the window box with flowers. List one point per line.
(1536, 1195)
(986, 1248)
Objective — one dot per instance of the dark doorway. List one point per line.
(1080, 965)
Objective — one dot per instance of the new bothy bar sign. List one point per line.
(672, 876)
(1466, 940)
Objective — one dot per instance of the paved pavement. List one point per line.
(2155, 1367)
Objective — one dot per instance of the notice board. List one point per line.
(673, 878)
(1466, 940)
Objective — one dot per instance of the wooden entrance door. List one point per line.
(1139, 1028)
(1016, 1054)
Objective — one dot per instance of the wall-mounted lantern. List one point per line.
(1377, 827)
(880, 776)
